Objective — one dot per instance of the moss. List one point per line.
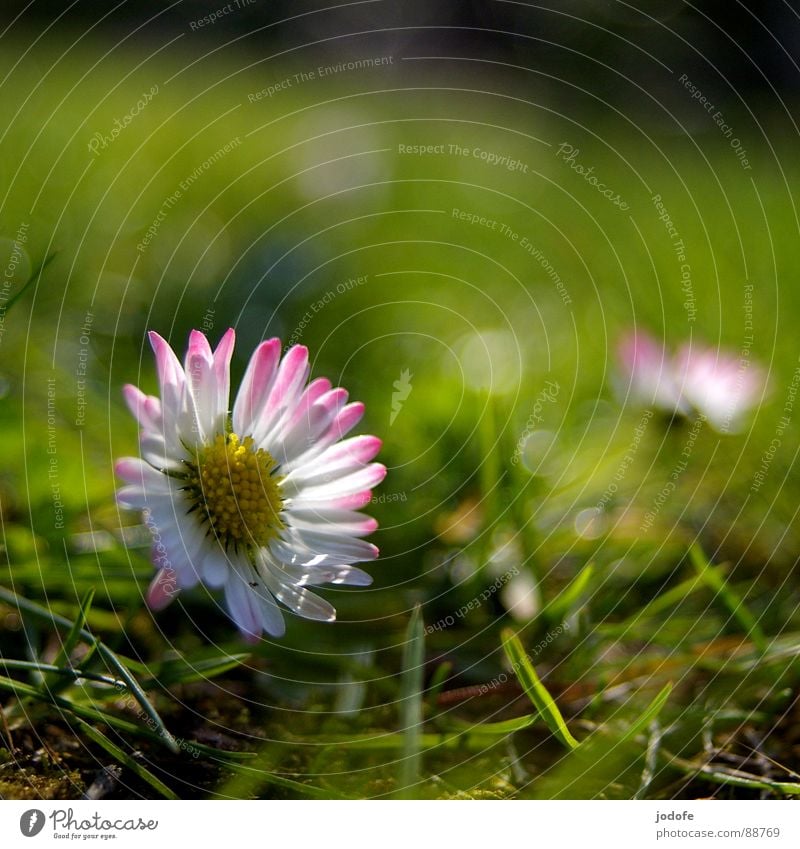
(58, 784)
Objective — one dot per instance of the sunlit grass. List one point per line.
(652, 663)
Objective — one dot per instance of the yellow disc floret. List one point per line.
(233, 485)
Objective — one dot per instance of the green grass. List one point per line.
(677, 676)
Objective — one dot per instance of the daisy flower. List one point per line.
(262, 503)
(650, 373)
(696, 381)
(721, 387)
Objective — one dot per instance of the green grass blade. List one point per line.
(185, 670)
(60, 672)
(248, 780)
(666, 601)
(725, 776)
(74, 635)
(537, 692)
(125, 759)
(649, 714)
(138, 693)
(507, 726)
(42, 613)
(437, 683)
(22, 690)
(34, 276)
(411, 702)
(565, 602)
(714, 580)
(70, 642)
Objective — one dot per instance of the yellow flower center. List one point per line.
(233, 485)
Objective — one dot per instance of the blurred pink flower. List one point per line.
(722, 387)
(704, 381)
(651, 373)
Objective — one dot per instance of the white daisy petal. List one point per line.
(222, 371)
(337, 461)
(284, 393)
(132, 497)
(363, 479)
(146, 408)
(135, 471)
(215, 567)
(314, 576)
(162, 590)
(243, 605)
(346, 549)
(345, 522)
(298, 599)
(202, 384)
(256, 385)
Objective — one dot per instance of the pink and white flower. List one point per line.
(652, 380)
(262, 503)
(721, 387)
(697, 380)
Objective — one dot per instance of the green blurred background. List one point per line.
(310, 212)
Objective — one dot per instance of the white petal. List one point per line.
(346, 549)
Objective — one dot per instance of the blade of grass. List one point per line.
(715, 581)
(34, 275)
(125, 759)
(21, 690)
(437, 682)
(650, 760)
(70, 642)
(562, 605)
(39, 612)
(665, 601)
(723, 775)
(248, 780)
(184, 671)
(537, 692)
(60, 672)
(650, 713)
(507, 726)
(411, 702)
